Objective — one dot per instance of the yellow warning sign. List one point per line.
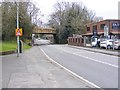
(18, 32)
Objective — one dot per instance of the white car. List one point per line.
(116, 44)
(94, 42)
(106, 43)
(40, 41)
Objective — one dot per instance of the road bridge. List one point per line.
(38, 30)
(48, 33)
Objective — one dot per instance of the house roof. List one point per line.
(115, 32)
(88, 34)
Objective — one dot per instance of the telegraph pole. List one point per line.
(17, 28)
(119, 10)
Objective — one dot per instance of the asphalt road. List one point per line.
(98, 68)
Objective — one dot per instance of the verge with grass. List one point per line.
(11, 46)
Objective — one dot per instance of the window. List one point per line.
(102, 26)
(88, 28)
(116, 26)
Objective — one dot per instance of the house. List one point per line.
(97, 29)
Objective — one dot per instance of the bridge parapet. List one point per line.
(44, 30)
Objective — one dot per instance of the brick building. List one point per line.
(97, 29)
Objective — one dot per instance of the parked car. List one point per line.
(106, 43)
(98, 42)
(94, 42)
(116, 44)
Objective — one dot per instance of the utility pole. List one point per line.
(18, 28)
(119, 10)
(59, 31)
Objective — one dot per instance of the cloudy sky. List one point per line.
(108, 9)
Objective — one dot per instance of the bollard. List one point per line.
(21, 46)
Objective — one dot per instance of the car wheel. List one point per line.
(108, 47)
(119, 48)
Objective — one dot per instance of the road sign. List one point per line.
(105, 31)
(19, 32)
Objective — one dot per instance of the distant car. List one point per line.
(106, 43)
(40, 41)
(116, 44)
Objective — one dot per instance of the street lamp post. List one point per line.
(59, 31)
(17, 28)
(119, 10)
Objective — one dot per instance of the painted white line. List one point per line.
(69, 70)
(92, 59)
(98, 61)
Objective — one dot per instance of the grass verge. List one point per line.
(11, 45)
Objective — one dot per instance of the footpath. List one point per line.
(98, 50)
(32, 69)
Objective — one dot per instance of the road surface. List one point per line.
(100, 69)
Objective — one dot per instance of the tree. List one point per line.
(26, 17)
(8, 18)
(70, 18)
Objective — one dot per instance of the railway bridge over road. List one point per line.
(48, 33)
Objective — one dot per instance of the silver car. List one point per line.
(40, 41)
(106, 43)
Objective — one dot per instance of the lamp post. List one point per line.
(119, 10)
(59, 31)
(17, 28)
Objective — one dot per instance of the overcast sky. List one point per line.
(108, 9)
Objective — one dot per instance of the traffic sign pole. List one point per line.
(17, 28)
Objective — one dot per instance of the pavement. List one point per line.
(32, 69)
(98, 50)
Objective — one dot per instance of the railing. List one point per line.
(76, 41)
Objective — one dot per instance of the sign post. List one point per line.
(119, 10)
(17, 28)
(18, 33)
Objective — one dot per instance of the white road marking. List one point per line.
(92, 59)
(76, 53)
(69, 70)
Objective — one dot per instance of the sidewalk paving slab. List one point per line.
(33, 69)
(103, 51)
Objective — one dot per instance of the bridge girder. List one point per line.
(44, 31)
